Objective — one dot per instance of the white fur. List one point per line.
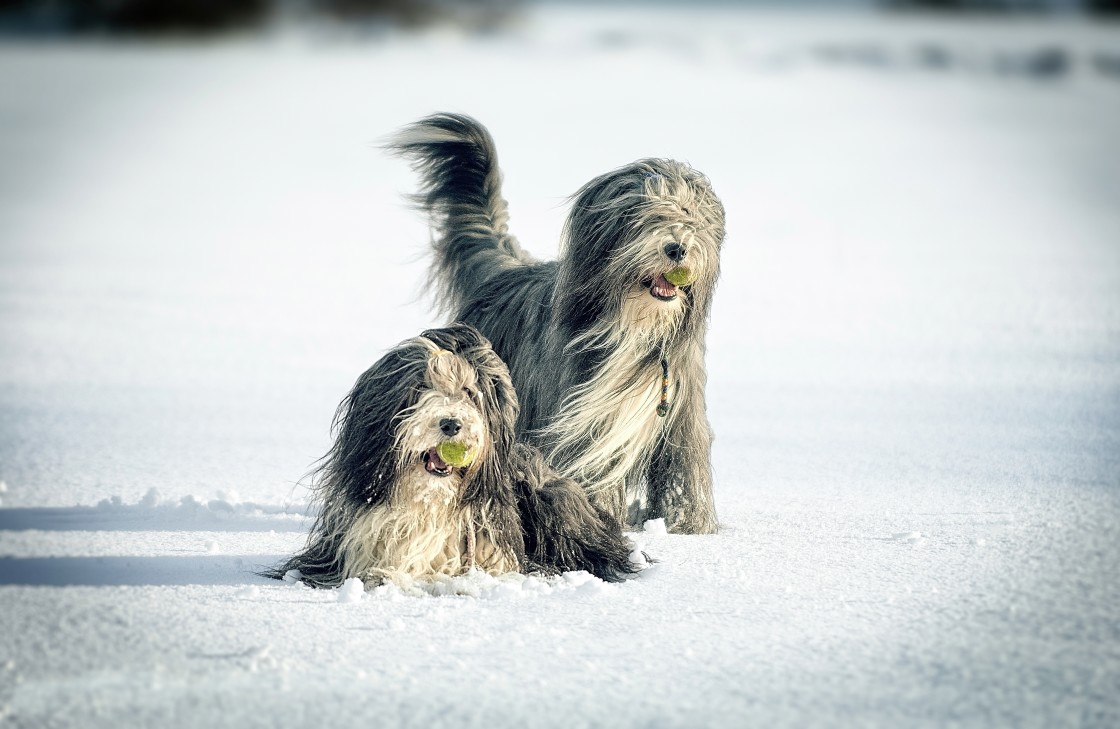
(617, 408)
(423, 533)
(406, 541)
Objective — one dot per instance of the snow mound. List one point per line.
(223, 508)
(638, 556)
(153, 511)
(293, 577)
(351, 590)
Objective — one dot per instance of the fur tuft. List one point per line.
(461, 191)
(563, 530)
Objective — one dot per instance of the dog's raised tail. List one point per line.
(461, 192)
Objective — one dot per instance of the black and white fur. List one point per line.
(390, 508)
(586, 337)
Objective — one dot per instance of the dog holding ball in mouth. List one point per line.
(426, 479)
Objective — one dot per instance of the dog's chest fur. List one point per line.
(609, 423)
(423, 531)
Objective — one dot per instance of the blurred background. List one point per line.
(139, 17)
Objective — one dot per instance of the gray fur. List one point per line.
(581, 330)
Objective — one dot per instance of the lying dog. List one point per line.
(426, 478)
(606, 344)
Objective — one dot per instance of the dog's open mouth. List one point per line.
(435, 465)
(660, 288)
(442, 459)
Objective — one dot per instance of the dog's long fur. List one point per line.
(391, 509)
(584, 336)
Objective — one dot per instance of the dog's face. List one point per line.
(443, 434)
(422, 452)
(431, 421)
(644, 240)
(674, 245)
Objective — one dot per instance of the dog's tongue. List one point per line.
(435, 463)
(662, 287)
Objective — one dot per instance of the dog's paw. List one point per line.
(690, 519)
(694, 526)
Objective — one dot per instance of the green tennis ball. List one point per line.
(680, 276)
(455, 454)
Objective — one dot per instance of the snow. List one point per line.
(351, 590)
(914, 374)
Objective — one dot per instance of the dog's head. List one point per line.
(434, 417)
(641, 252)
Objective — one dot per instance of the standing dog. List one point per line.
(425, 478)
(606, 344)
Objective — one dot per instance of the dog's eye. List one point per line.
(470, 392)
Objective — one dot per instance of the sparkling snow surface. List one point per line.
(914, 375)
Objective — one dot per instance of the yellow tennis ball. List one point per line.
(455, 454)
(680, 276)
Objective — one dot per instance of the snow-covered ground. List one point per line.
(914, 360)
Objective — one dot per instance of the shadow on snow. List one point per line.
(133, 571)
(186, 515)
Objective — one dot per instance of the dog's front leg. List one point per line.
(680, 473)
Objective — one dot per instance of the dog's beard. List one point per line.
(403, 542)
(441, 437)
(650, 309)
(647, 321)
(616, 410)
(424, 532)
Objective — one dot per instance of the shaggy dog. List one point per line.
(606, 344)
(425, 478)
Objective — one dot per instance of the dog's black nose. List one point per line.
(676, 252)
(450, 426)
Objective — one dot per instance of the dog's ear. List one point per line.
(490, 488)
(490, 483)
(498, 403)
(362, 461)
(458, 337)
(501, 397)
